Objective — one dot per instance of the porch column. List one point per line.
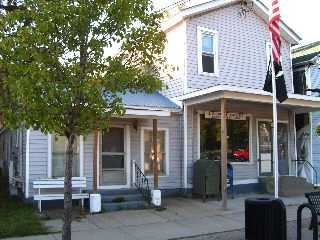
(292, 150)
(95, 159)
(185, 146)
(224, 154)
(155, 155)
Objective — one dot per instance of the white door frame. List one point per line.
(127, 156)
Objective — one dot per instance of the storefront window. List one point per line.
(238, 139)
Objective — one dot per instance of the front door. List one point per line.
(283, 149)
(265, 148)
(113, 163)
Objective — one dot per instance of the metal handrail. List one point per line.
(142, 183)
(308, 164)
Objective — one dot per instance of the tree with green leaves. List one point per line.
(55, 71)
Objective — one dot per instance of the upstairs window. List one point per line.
(207, 51)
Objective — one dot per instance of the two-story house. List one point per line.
(224, 55)
(306, 80)
(219, 50)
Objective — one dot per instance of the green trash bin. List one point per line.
(206, 178)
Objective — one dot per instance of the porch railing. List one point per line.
(308, 165)
(142, 183)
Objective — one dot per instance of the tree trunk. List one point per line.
(67, 216)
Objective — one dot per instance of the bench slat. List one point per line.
(57, 182)
(59, 196)
(61, 178)
(77, 182)
(59, 186)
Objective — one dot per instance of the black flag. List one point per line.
(281, 88)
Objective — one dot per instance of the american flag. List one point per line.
(274, 28)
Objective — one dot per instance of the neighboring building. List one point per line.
(306, 76)
(217, 54)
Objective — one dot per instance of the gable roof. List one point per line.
(306, 54)
(259, 8)
(305, 59)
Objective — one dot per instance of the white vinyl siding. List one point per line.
(241, 50)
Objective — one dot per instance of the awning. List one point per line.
(295, 102)
(144, 105)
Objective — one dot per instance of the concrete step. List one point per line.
(288, 185)
(123, 191)
(121, 197)
(111, 207)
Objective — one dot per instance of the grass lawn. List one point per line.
(18, 219)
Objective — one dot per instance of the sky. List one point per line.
(301, 15)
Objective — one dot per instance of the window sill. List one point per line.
(242, 163)
(208, 74)
(160, 176)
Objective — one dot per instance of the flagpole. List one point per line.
(277, 81)
(275, 129)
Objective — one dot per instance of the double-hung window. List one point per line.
(207, 51)
(58, 157)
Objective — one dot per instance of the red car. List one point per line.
(241, 155)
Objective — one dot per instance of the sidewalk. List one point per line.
(182, 218)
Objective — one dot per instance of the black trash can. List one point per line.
(265, 219)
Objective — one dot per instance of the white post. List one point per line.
(133, 172)
(275, 130)
(185, 146)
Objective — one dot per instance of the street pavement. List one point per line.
(240, 234)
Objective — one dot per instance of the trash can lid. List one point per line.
(258, 201)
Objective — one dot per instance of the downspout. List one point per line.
(27, 164)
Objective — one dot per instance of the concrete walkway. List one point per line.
(182, 218)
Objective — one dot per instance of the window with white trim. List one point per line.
(58, 157)
(162, 151)
(207, 51)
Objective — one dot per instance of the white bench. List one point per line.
(58, 183)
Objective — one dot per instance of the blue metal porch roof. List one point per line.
(146, 100)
